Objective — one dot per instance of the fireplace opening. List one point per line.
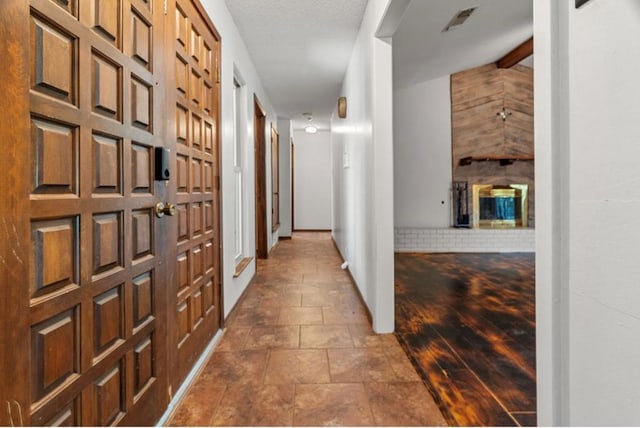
(500, 206)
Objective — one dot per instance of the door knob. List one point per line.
(163, 208)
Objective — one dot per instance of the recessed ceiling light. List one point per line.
(310, 129)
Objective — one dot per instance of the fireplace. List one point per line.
(500, 207)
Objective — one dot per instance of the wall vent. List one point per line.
(459, 18)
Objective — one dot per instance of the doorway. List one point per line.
(260, 122)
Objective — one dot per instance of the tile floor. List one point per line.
(299, 351)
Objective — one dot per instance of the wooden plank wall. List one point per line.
(477, 95)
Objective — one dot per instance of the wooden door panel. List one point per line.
(53, 61)
(108, 320)
(141, 40)
(108, 395)
(105, 19)
(55, 252)
(195, 235)
(56, 354)
(96, 305)
(55, 154)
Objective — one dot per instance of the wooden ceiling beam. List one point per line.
(524, 50)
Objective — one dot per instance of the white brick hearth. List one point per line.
(451, 240)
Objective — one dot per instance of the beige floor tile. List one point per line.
(202, 399)
(403, 404)
(255, 405)
(332, 405)
(236, 367)
(303, 288)
(300, 316)
(297, 366)
(274, 337)
(338, 315)
(325, 336)
(364, 337)
(360, 365)
(401, 364)
(285, 299)
(234, 339)
(249, 317)
(320, 299)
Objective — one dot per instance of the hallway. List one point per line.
(299, 350)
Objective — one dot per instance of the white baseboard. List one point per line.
(189, 379)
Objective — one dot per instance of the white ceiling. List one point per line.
(301, 49)
(421, 51)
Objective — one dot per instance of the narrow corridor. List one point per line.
(299, 350)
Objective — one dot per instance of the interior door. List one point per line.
(194, 235)
(275, 179)
(260, 122)
(97, 327)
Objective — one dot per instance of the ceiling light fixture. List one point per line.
(310, 129)
(459, 18)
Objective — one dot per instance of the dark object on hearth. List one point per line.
(461, 204)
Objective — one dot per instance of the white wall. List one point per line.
(312, 182)
(362, 153)
(285, 130)
(422, 154)
(234, 52)
(588, 298)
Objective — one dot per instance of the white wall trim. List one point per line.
(197, 367)
(551, 112)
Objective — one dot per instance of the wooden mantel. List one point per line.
(503, 160)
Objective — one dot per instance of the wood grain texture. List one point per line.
(195, 237)
(468, 323)
(94, 89)
(14, 162)
(477, 95)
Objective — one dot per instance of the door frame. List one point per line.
(275, 179)
(260, 126)
(14, 258)
(293, 187)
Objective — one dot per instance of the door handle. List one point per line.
(165, 208)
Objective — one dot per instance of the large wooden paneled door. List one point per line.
(97, 325)
(194, 240)
(105, 305)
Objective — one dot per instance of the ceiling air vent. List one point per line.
(459, 18)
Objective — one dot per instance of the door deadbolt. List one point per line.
(165, 208)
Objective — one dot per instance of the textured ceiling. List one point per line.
(423, 52)
(301, 49)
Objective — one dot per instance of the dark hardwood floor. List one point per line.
(467, 322)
